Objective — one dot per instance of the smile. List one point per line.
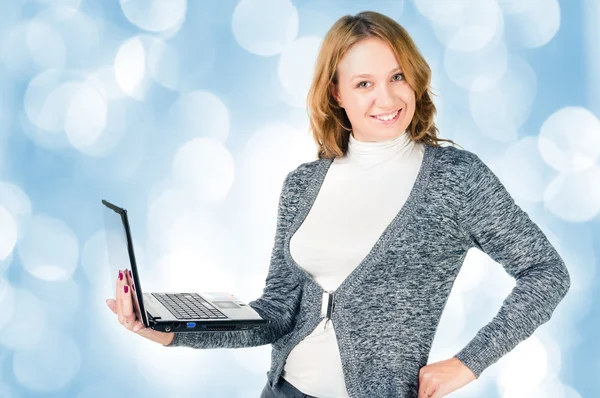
(389, 118)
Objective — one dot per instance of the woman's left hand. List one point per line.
(441, 378)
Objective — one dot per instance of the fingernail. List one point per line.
(126, 288)
(130, 274)
(132, 287)
(120, 275)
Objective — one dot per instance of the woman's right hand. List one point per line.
(123, 307)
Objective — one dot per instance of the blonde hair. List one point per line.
(329, 123)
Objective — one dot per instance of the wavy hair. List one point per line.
(329, 123)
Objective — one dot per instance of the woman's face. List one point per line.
(370, 84)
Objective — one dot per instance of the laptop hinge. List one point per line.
(327, 305)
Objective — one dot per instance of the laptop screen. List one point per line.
(119, 246)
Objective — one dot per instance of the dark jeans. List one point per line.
(282, 389)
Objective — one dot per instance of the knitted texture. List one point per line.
(387, 310)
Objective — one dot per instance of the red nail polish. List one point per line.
(120, 275)
(126, 288)
(130, 274)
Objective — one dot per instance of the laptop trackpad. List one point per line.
(225, 304)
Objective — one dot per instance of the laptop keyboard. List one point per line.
(189, 306)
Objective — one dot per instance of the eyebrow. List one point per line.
(367, 75)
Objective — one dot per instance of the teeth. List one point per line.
(388, 117)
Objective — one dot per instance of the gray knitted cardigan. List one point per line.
(386, 312)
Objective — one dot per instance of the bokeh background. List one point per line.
(191, 113)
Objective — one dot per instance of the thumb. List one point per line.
(112, 304)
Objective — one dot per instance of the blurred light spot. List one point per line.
(94, 259)
(49, 249)
(155, 15)
(284, 146)
(154, 362)
(8, 233)
(477, 70)
(575, 196)
(535, 22)
(104, 81)
(116, 122)
(5, 263)
(45, 45)
(516, 6)
(61, 299)
(30, 47)
(66, 3)
(130, 67)
(444, 12)
(464, 26)
(199, 114)
(85, 117)
(51, 365)
(561, 148)
(45, 100)
(524, 368)
(26, 323)
(80, 33)
(66, 109)
(261, 181)
(523, 171)
(501, 109)
(265, 27)
(7, 303)
(204, 168)
(184, 60)
(6, 391)
(16, 202)
(296, 66)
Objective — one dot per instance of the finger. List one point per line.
(127, 307)
(138, 327)
(436, 392)
(423, 388)
(119, 299)
(112, 304)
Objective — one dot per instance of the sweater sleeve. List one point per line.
(278, 302)
(495, 224)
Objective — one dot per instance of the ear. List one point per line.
(335, 93)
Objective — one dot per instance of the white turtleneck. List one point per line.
(360, 196)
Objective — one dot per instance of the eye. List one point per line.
(360, 85)
(399, 74)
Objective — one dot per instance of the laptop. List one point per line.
(172, 312)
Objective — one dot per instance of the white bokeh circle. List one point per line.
(204, 168)
(199, 114)
(477, 70)
(27, 322)
(575, 196)
(8, 233)
(50, 365)
(130, 66)
(49, 249)
(155, 15)
(296, 67)
(569, 139)
(265, 27)
(501, 109)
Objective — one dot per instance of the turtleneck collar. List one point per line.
(377, 151)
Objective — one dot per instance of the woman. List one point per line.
(371, 236)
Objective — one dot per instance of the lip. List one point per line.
(389, 121)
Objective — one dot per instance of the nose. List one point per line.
(384, 97)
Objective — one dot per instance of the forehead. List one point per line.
(372, 56)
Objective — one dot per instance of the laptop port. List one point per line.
(191, 325)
